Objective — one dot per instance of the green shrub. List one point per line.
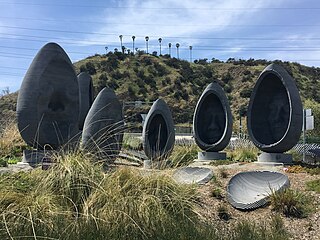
(314, 185)
(223, 212)
(216, 193)
(183, 155)
(3, 162)
(131, 142)
(223, 173)
(250, 231)
(291, 203)
(243, 154)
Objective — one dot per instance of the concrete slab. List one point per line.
(191, 175)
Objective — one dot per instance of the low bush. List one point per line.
(291, 203)
(314, 185)
(183, 155)
(251, 231)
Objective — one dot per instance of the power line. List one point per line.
(159, 8)
(168, 37)
(158, 24)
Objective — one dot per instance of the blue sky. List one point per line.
(260, 29)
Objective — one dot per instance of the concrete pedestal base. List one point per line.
(275, 158)
(34, 157)
(211, 156)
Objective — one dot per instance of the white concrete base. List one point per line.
(275, 158)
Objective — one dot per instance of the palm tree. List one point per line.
(123, 49)
(170, 49)
(120, 36)
(133, 38)
(178, 45)
(106, 49)
(160, 40)
(190, 47)
(147, 39)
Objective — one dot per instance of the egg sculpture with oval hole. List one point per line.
(275, 116)
(48, 100)
(212, 123)
(158, 134)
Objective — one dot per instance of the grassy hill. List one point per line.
(180, 83)
(143, 77)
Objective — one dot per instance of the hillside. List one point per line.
(142, 77)
(146, 77)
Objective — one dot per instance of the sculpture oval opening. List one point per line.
(269, 126)
(158, 133)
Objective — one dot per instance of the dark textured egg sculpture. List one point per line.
(85, 96)
(103, 127)
(275, 111)
(212, 120)
(158, 131)
(48, 101)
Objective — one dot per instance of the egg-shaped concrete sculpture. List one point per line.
(274, 115)
(85, 96)
(103, 127)
(250, 190)
(158, 131)
(190, 175)
(48, 100)
(212, 120)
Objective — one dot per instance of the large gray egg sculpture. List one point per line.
(158, 135)
(212, 120)
(85, 96)
(103, 127)
(274, 115)
(48, 100)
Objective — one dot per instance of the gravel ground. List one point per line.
(303, 228)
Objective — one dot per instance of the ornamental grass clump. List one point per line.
(76, 199)
(291, 203)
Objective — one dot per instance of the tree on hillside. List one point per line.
(177, 46)
(160, 40)
(133, 38)
(147, 40)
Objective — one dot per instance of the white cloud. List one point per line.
(172, 18)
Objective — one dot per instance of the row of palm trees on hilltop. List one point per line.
(147, 46)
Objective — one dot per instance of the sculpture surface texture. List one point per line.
(85, 96)
(48, 101)
(103, 127)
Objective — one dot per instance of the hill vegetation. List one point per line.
(145, 78)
